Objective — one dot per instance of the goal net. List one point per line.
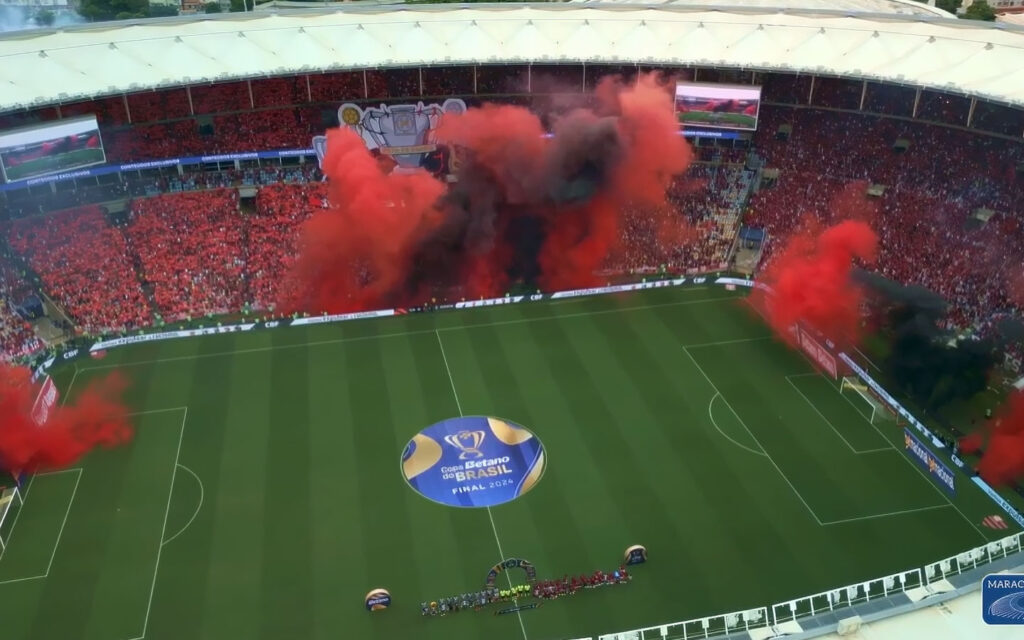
(868, 403)
(10, 503)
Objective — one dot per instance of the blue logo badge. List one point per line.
(473, 461)
(1002, 598)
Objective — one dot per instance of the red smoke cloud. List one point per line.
(354, 253)
(653, 153)
(96, 418)
(811, 280)
(545, 210)
(1003, 460)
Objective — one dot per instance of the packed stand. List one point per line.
(221, 98)
(929, 234)
(272, 236)
(92, 277)
(233, 133)
(17, 337)
(695, 232)
(190, 250)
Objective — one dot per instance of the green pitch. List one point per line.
(55, 163)
(739, 120)
(262, 496)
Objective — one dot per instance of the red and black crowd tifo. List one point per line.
(186, 245)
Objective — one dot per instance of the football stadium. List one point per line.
(612, 321)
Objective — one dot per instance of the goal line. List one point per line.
(873, 408)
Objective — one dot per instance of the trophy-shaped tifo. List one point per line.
(405, 131)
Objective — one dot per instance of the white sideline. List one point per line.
(711, 402)
(197, 356)
(163, 532)
(60, 533)
(829, 422)
(490, 515)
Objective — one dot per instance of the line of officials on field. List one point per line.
(545, 589)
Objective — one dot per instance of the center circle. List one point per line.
(473, 461)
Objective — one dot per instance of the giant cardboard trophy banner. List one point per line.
(405, 132)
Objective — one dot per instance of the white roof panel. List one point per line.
(906, 43)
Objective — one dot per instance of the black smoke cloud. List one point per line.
(928, 362)
(526, 208)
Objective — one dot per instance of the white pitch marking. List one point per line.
(738, 444)
(752, 436)
(163, 532)
(490, 515)
(202, 495)
(399, 334)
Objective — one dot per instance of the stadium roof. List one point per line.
(73, 63)
(905, 7)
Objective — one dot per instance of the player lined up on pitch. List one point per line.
(542, 590)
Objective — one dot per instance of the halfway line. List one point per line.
(490, 515)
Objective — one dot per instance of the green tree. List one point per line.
(980, 10)
(113, 9)
(45, 18)
(212, 7)
(162, 10)
(949, 5)
(242, 5)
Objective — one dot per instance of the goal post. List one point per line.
(875, 410)
(10, 504)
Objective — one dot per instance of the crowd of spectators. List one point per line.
(17, 337)
(198, 254)
(935, 181)
(273, 234)
(695, 232)
(91, 277)
(190, 251)
(231, 133)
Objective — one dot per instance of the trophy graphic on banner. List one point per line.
(468, 442)
(404, 131)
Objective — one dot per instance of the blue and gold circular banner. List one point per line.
(473, 461)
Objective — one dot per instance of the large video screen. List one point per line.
(49, 148)
(721, 106)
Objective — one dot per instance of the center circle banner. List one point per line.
(473, 461)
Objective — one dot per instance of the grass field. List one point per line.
(262, 496)
(720, 119)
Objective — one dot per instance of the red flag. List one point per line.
(995, 522)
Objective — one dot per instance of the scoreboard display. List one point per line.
(718, 106)
(53, 147)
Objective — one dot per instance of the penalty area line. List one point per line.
(490, 515)
(60, 533)
(715, 388)
(711, 415)
(829, 422)
(163, 531)
(914, 466)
